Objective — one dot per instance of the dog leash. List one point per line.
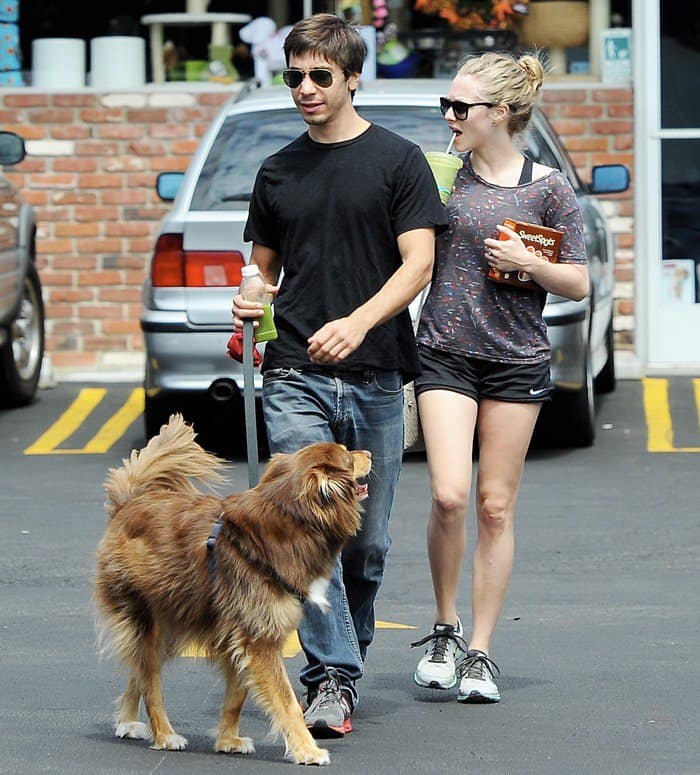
(256, 562)
(251, 425)
(251, 433)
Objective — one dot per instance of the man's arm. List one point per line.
(337, 339)
(270, 267)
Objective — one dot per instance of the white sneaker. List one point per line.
(438, 668)
(477, 673)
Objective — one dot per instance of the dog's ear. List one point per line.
(325, 484)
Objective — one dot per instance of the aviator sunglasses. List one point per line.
(459, 108)
(293, 76)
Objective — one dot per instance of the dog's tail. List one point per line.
(166, 463)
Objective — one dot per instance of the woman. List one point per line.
(485, 354)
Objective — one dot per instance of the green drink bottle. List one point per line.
(252, 288)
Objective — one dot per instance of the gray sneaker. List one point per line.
(477, 672)
(329, 713)
(437, 668)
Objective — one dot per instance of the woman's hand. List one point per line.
(510, 254)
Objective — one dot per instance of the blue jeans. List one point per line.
(362, 410)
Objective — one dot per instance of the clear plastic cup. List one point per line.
(445, 167)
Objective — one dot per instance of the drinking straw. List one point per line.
(449, 146)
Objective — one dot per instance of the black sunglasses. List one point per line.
(293, 77)
(459, 108)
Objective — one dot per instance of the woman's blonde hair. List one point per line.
(511, 81)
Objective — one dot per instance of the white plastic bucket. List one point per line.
(58, 63)
(117, 62)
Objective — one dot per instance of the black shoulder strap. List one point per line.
(526, 172)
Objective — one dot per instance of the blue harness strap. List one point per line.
(211, 542)
(256, 562)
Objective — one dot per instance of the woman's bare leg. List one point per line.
(447, 420)
(505, 430)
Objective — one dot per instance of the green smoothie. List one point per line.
(266, 326)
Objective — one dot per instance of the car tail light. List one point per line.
(172, 266)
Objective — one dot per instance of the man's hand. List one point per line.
(243, 309)
(336, 340)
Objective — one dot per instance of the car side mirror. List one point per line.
(12, 149)
(610, 179)
(168, 184)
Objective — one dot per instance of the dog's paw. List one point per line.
(310, 755)
(231, 744)
(172, 742)
(136, 730)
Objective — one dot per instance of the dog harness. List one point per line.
(256, 562)
(211, 543)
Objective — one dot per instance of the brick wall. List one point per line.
(91, 177)
(596, 124)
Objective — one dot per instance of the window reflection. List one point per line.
(680, 63)
(680, 205)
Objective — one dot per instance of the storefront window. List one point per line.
(443, 31)
(51, 19)
(680, 62)
(435, 48)
(680, 59)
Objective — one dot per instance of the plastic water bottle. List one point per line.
(252, 288)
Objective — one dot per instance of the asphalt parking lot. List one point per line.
(597, 644)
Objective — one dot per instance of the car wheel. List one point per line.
(22, 354)
(605, 381)
(219, 425)
(573, 413)
(158, 409)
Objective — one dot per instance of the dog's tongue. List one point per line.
(361, 490)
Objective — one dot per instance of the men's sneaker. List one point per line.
(437, 669)
(477, 672)
(330, 708)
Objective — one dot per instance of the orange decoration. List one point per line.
(474, 14)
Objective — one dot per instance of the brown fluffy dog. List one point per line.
(159, 588)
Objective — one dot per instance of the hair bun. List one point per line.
(534, 69)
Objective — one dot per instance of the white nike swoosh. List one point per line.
(537, 392)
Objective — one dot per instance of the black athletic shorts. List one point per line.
(476, 378)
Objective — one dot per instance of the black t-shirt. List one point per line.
(333, 212)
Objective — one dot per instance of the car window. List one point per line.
(545, 147)
(424, 126)
(537, 149)
(246, 140)
(240, 147)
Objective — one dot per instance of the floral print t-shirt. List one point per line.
(467, 314)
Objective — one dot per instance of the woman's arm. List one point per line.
(511, 255)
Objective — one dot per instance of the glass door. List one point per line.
(668, 240)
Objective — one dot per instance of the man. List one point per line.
(349, 211)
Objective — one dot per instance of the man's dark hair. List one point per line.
(329, 37)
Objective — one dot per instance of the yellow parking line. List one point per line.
(117, 424)
(658, 416)
(67, 423)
